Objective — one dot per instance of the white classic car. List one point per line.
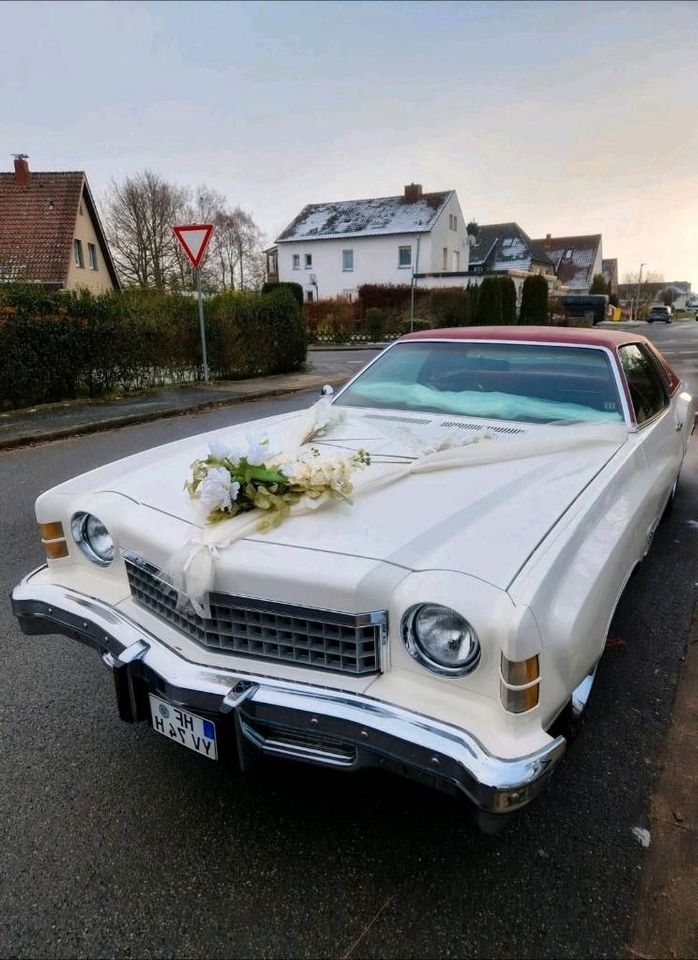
(435, 604)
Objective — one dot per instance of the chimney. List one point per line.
(21, 169)
(548, 238)
(413, 192)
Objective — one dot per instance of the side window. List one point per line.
(644, 382)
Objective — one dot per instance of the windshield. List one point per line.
(530, 383)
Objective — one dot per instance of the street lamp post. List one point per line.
(637, 296)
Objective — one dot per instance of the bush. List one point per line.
(413, 326)
(508, 288)
(395, 300)
(295, 288)
(374, 323)
(598, 284)
(59, 346)
(450, 308)
(331, 320)
(534, 301)
(489, 306)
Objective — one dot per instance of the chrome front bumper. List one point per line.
(285, 718)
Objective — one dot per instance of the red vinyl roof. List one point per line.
(588, 336)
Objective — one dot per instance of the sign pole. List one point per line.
(201, 322)
(194, 238)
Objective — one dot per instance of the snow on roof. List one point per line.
(573, 258)
(505, 246)
(367, 218)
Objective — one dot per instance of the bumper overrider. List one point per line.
(284, 718)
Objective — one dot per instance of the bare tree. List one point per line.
(139, 216)
(644, 289)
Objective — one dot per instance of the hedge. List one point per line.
(295, 288)
(60, 346)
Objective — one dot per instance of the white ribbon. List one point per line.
(192, 567)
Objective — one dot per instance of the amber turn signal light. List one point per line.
(520, 672)
(518, 700)
(56, 549)
(52, 531)
(53, 540)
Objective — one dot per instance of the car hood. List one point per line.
(484, 519)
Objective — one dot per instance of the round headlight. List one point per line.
(441, 639)
(93, 538)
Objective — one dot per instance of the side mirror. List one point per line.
(327, 391)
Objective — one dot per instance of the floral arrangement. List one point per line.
(261, 476)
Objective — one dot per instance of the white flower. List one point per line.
(260, 449)
(216, 490)
(223, 451)
(219, 449)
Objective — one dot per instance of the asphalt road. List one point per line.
(114, 842)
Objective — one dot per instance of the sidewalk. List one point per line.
(70, 418)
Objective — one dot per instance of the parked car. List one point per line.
(447, 625)
(661, 314)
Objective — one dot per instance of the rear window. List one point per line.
(531, 383)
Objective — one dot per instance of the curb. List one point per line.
(114, 423)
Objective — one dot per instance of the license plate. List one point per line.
(184, 728)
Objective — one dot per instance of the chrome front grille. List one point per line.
(305, 636)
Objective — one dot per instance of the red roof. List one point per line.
(589, 336)
(37, 223)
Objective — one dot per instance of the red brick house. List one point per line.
(50, 231)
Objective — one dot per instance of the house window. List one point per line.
(296, 261)
(308, 261)
(348, 295)
(455, 222)
(92, 256)
(310, 295)
(347, 260)
(404, 256)
(452, 221)
(444, 265)
(77, 253)
(456, 259)
(568, 254)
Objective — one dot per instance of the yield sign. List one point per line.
(194, 238)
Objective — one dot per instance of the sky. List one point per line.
(566, 117)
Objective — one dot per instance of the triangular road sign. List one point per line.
(194, 238)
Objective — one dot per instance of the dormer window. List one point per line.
(568, 254)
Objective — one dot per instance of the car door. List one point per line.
(659, 429)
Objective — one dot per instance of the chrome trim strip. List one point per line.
(382, 733)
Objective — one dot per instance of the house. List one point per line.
(504, 247)
(51, 233)
(609, 269)
(657, 291)
(576, 260)
(331, 249)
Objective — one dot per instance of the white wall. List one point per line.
(443, 236)
(375, 258)
(375, 261)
